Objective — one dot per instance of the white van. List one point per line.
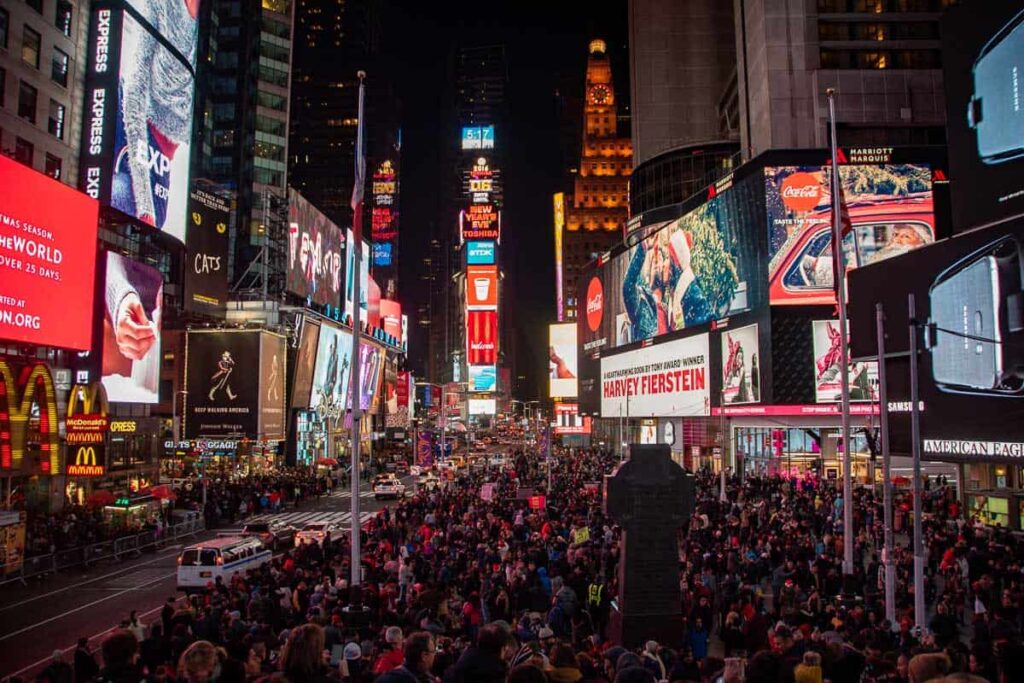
(202, 563)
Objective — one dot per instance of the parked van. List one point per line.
(202, 563)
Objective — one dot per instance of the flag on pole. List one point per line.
(360, 177)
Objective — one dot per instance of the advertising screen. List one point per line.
(132, 325)
(483, 406)
(967, 292)
(383, 254)
(305, 362)
(223, 397)
(480, 222)
(480, 253)
(137, 136)
(741, 372)
(273, 357)
(482, 286)
(663, 380)
(332, 372)
(371, 370)
(482, 337)
(315, 253)
(364, 276)
(863, 376)
(562, 360)
(483, 378)
(568, 420)
(982, 53)
(206, 265)
(890, 207)
(47, 259)
(478, 137)
(391, 319)
(701, 267)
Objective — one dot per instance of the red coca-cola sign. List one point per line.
(801, 192)
(595, 304)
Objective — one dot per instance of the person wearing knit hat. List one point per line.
(809, 670)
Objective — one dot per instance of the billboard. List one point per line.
(273, 358)
(480, 253)
(482, 286)
(206, 266)
(315, 253)
(569, 421)
(863, 376)
(480, 222)
(481, 337)
(890, 207)
(223, 392)
(391, 319)
(971, 387)
(331, 390)
(305, 362)
(478, 137)
(132, 326)
(562, 360)
(559, 214)
(741, 371)
(364, 277)
(384, 193)
(662, 380)
(701, 267)
(140, 81)
(47, 259)
(982, 50)
(483, 378)
(483, 406)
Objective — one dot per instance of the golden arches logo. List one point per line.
(197, 218)
(86, 463)
(91, 398)
(86, 455)
(16, 399)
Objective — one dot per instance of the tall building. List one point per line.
(242, 93)
(882, 56)
(594, 214)
(682, 59)
(42, 69)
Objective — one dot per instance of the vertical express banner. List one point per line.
(206, 242)
(273, 354)
(223, 391)
(101, 79)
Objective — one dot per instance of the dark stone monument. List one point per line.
(650, 497)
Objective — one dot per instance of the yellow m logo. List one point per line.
(91, 398)
(86, 455)
(33, 384)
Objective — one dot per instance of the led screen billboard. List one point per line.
(139, 101)
(982, 53)
(364, 277)
(701, 267)
(47, 259)
(890, 207)
(206, 244)
(331, 390)
(480, 222)
(305, 362)
(483, 378)
(483, 406)
(478, 137)
(223, 391)
(569, 421)
(482, 337)
(132, 327)
(482, 286)
(967, 292)
(391, 319)
(562, 360)
(741, 372)
(480, 253)
(862, 376)
(273, 358)
(662, 380)
(316, 251)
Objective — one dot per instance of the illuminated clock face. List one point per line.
(599, 94)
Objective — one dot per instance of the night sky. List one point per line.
(546, 49)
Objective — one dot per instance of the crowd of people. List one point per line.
(468, 587)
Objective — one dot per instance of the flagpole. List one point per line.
(355, 391)
(844, 344)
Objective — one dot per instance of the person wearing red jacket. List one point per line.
(393, 657)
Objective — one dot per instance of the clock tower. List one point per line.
(590, 220)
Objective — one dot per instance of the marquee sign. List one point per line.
(480, 221)
(88, 462)
(86, 421)
(19, 390)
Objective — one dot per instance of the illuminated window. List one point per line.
(55, 122)
(31, 44)
(59, 67)
(62, 17)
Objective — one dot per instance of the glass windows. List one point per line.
(62, 17)
(54, 166)
(24, 151)
(31, 44)
(55, 122)
(27, 101)
(59, 67)
(5, 24)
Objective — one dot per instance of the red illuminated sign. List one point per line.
(538, 502)
(391, 319)
(480, 221)
(482, 337)
(482, 286)
(568, 420)
(47, 259)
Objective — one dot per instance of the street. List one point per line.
(54, 612)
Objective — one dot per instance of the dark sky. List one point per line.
(546, 46)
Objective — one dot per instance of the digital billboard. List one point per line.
(132, 327)
(305, 362)
(890, 207)
(315, 253)
(482, 337)
(483, 378)
(391, 319)
(741, 372)
(662, 380)
(140, 81)
(383, 254)
(562, 360)
(482, 286)
(478, 137)
(982, 53)
(701, 267)
(47, 259)
(331, 390)
(569, 421)
(967, 293)
(480, 253)
(483, 406)
(480, 222)
(863, 376)
(223, 391)
(206, 245)
(273, 359)
(364, 277)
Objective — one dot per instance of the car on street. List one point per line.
(316, 532)
(273, 534)
(388, 486)
(428, 481)
(499, 461)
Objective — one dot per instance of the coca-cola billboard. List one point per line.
(482, 337)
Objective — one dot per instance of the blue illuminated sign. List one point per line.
(477, 137)
(483, 378)
(382, 254)
(480, 252)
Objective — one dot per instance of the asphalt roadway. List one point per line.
(55, 611)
